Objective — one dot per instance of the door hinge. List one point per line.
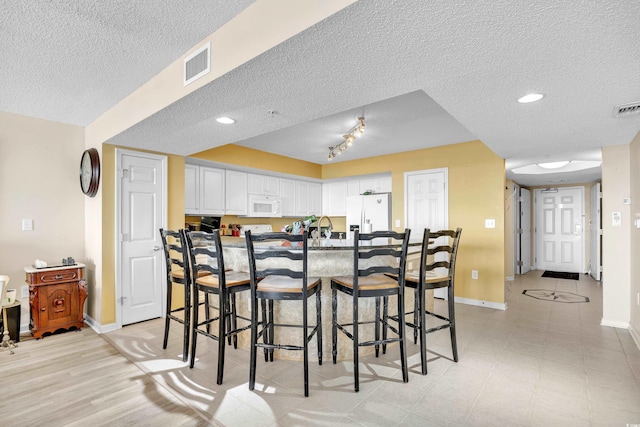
(520, 263)
(121, 300)
(519, 231)
(124, 237)
(124, 173)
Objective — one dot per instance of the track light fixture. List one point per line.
(349, 137)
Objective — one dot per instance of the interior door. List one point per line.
(426, 205)
(142, 212)
(559, 229)
(595, 232)
(426, 201)
(525, 226)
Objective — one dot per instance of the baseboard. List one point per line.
(510, 278)
(481, 303)
(635, 335)
(614, 323)
(100, 329)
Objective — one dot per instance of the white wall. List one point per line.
(616, 258)
(634, 308)
(39, 180)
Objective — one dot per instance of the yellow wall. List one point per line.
(476, 191)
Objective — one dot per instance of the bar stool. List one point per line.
(370, 268)
(276, 279)
(437, 270)
(176, 259)
(211, 278)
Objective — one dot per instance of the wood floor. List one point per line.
(79, 379)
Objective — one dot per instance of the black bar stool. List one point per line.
(288, 280)
(370, 268)
(211, 278)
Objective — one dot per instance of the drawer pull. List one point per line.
(58, 276)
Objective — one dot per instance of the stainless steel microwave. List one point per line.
(265, 206)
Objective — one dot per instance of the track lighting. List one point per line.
(349, 137)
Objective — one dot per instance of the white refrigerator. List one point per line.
(374, 209)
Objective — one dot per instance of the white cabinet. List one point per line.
(263, 184)
(191, 189)
(211, 192)
(203, 190)
(353, 187)
(375, 185)
(288, 195)
(334, 198)
(236, 200)
(308, 198)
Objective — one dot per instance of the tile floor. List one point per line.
(539, 363)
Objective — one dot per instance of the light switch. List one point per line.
(27, 225)
(489, 223)
(616, 219)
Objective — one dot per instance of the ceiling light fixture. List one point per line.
(554, 165)
(349, 137)
(225, 120)
(532, 97)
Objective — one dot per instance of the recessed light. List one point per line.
(553, 165)
(225, 120)
(532, 97)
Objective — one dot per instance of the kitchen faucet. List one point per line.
(330, 226)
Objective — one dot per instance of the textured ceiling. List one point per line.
(423, 73)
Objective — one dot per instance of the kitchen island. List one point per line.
(332, 257)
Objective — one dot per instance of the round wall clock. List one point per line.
(90, 172)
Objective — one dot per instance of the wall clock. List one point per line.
(90, 172)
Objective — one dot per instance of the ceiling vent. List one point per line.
(626, 110)
(197, 64)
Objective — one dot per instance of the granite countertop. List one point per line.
(324, 244)
(33, 269)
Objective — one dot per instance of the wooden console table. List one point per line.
(56, 298)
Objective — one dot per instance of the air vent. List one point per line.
(197, 64)
(626, 110)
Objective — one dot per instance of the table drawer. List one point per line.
(58, 276)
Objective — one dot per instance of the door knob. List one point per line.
(156, 248)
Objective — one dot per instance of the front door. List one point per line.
(142, 212)
(559, 229)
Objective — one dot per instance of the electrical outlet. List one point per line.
(25, 291)
(410, 265)
(397, 223)
(474, 274)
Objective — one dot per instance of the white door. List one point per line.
(525, 226)
(559, 229)
(426, 205)
(426, 201)
(142, 212)
(595, 231)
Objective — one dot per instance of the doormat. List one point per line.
(561, 275)
(555, 296)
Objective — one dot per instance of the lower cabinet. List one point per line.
(56, 298)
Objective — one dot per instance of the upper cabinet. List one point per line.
(308, 198)
(375, 185)
(334, 198)
(191, 189)
(203, 190)
(212, 188)
(263, 184)
(236, 193)
(288, 196)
